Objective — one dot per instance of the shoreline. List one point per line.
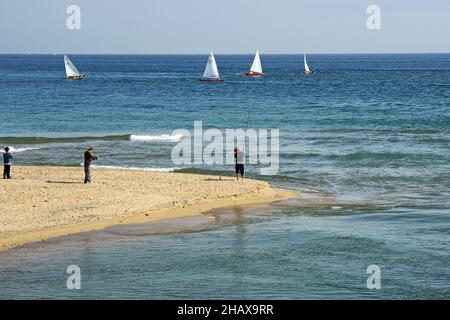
(73, 198)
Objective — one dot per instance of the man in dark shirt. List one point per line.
(88, 158)
(7, 157)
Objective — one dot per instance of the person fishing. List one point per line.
(239, 159)
(88, 158)
(7, 157)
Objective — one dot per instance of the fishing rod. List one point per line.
(246, 128)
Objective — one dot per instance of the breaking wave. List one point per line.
(17, 150)
(124, 137)
(136, 168)
(163, 137)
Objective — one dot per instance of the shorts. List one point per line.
(240, 168)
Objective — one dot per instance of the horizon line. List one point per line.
(218, 53)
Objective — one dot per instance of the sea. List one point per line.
(364, 141)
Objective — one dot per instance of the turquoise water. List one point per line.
(366, 140)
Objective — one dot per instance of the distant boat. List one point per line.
(211, 73)
(256, 68)
(72, 72)
(307, 70)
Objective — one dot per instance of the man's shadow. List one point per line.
(220, 179)
(65, 182)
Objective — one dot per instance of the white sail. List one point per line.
(211, 70)
(306, 64)
(256, 66)
(71, 70)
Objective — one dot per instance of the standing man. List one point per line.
(239, 159)
(88, 157)
(7, 157)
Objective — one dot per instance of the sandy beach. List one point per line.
(45, 202)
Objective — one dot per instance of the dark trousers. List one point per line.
(87, 174)
(239, 168)
(6, 171)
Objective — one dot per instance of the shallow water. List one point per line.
(367, 139)
(278, 251)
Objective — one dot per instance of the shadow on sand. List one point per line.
(65, 182)
(220, 179)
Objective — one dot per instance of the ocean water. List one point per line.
(365, 141)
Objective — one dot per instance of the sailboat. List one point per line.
(211, 73)
(255, 69)
(72, 72)
(307, 70)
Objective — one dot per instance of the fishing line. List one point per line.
(250, 101)
(248, 116)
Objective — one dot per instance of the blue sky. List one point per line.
(227, 26)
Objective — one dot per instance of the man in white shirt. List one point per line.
(239, 159)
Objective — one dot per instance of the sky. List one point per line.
(225, 26)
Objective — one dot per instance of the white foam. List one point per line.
(136, 168)
(17, 150)
(309, 190)
(162, 137)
